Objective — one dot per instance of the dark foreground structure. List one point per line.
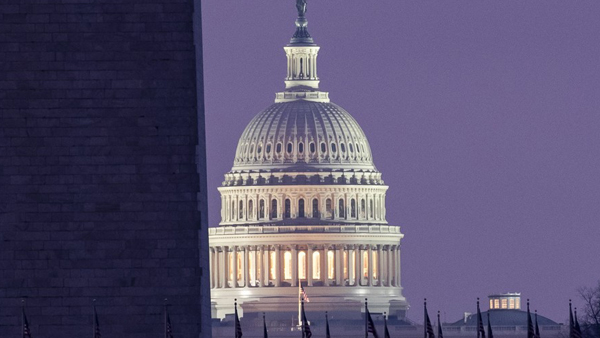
(102, 181)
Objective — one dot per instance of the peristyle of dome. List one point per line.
(304, 205)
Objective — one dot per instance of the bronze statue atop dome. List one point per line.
(301, 6)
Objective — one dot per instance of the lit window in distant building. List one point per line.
(491, 303)
(230, 261)
(353, 263)
(496, 303)
(287, 265)
(511, 303)
(239, 262)
(316, 266)
(302, 265)
(330, 264)
(504, 303)
(251, 264)
(517, 303)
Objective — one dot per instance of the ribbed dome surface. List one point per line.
(303, 135)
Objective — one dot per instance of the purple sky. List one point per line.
(482, 116)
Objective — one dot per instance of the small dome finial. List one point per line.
(301, 36)
(301, 7)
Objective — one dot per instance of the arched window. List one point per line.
(353, 208)
(342, 209)
(333, 148)
(290, 146)
(259, 149)
(300, 147)
(330, 264)
(250, 209)
(323, 147)
(287, 210)
(315, 208)
(269, 148)
(261, 213)
(301, 208)
(329, 208)
(363, 206)
(241, 210)
(274, 209)
(287, 265)
(371, 209)
(350, 147)
(316, 265)
(343, 148)
(278, 148)
(302, 265)
(312, 148)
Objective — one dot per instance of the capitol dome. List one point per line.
(304, 205)
(303, 136)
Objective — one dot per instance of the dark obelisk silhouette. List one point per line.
(102, 168)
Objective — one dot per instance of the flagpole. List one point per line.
(366, 315)
(165, 318)
(23, 318)
(299, 304)
(425, 318)
(94, 318)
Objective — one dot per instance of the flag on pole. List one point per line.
(96, 324)
(327, 333)
(370, 325)
(440, 333)
(306, 333)
(480, 329)
(386, 332)
(168, 326)
(303, 294)
(26, 330)
(265, 333)
(530, 330)
(238, 326)
(489, 328)
(577, 327)
(427, 327)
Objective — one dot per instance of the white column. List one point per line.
(294, 266)
(235, 267)
(370, 267)
(393, 263)
(325, 265)
(339, 272)
(254, 276)
(246, 266)
(277, 265)
(266, 272)
(398, 284)
(309, 265)
(357, 266)
(379, 265)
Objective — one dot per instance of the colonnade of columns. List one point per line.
(250, 266)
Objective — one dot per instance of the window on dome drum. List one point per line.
(350, 147)
(287, 265)
(353, 208)
(278, 148)
(333, 148)
(290, 147)
(357, 148)
(302, 265)
(328, 208)
(323, 148)
(268, 148)
(312, 148)
(342, 210)
(343, 148)
(232, 210)
(300, 147)
(363, 206)
(252, 149)
(316, 265)
(259, 149)
(371, 209)
(301, 208)
(272, 264)
(241, 210)
(274, 209)
(365, 259)
(261, 213)
(315, 208)
(250, 209)
(287, 209)
(330, 264)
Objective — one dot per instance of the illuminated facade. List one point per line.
(305, 204)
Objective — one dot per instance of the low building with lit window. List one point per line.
(304, 204)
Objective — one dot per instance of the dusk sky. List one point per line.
(483, 117)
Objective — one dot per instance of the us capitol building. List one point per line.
(304, 203)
